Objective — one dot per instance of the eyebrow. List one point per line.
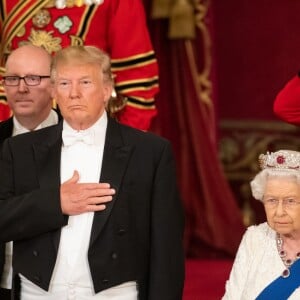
(26, 74)
(83, 77)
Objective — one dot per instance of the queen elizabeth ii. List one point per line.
(267, 264)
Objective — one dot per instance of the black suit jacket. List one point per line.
(6, 129)
(137, 237)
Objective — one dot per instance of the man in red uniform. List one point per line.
(117, 26)
(287, 102)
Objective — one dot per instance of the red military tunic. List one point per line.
(287, 102)
(116, 26)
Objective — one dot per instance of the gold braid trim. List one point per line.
(14, 21)
(134, 61)
(85, 22)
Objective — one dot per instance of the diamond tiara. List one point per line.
(282, 159)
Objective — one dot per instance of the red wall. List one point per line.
(256, 50)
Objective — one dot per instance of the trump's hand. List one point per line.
(77, 198)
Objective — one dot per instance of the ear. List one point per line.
(53, 93)
(107, 92)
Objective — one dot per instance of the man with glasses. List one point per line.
(117, 26)
(28, 89)
(31, 80)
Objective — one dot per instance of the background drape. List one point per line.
(187, 117)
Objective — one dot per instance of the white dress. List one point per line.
(256, 265)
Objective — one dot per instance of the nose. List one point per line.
(22, 87)
(74, 90)
(280, 209)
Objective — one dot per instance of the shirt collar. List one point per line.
(52, 119)
(97, 130)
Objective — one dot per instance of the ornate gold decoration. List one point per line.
(45, 39)
(161, 8)
(79, 2)
(201, 78)
(76, 40)
(42, 18)
(21, 32)
(61, 4)
(14, 24)
(50, 3)
(182, 20)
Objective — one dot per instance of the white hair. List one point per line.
(258, 184)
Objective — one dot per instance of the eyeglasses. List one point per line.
(287, 202)
(30, 80)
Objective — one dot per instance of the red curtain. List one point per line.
(186, 117)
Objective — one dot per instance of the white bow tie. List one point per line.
(70, 138)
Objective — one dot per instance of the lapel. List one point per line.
(115, 159)
(47, 152)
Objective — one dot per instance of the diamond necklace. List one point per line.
(282, 253)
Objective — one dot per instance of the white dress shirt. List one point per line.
(6, 279)
(71, 278)
(52, 119)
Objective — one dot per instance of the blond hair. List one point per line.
(81, 55)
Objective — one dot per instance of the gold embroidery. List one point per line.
(76, 40)
(45, 39)
(79, 2)
(15, 21)
(21, 32)
(50, 3)
(42, 18)
(68, 3)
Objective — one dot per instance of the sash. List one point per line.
(281, 288)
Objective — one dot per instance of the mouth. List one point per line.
(75, 107)
(282, 223)
(24, 101)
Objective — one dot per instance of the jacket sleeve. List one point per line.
(167, 254)
(25, 210)
(133, 63)
(287, 102)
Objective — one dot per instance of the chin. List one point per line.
(24, 112)
(283, 229)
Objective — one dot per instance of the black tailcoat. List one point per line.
(137, 237)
